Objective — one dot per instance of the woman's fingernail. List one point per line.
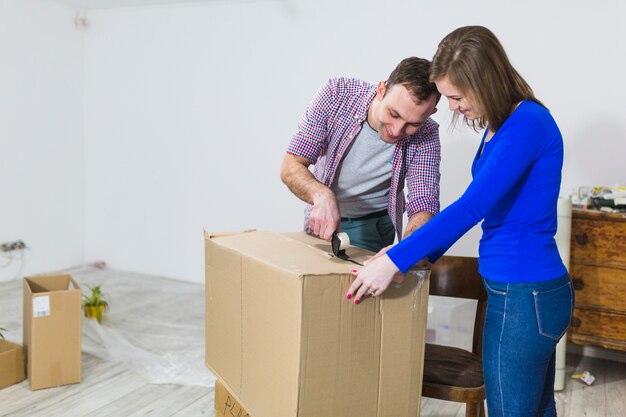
(356, 301)
(354, 271)
(349, 296)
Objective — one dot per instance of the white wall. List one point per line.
(41, 141)
(189, 108)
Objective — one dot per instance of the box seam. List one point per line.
(241, 324)
(380, 353)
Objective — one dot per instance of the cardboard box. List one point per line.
(52, 332)
(226, 404)
(451, 321)
(286, 342)
(11, 363)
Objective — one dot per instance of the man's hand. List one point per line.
(324, 218)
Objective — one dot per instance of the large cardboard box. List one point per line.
(52, 332)
(11, 363)
(286, 342)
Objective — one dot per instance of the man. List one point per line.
(365, 140)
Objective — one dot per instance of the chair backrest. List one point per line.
(457, 276)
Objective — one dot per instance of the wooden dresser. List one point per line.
(598, 270)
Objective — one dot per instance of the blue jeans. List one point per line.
(371, 233)
(523, 324)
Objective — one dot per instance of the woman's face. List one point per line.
(464, 103)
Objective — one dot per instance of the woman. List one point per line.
(516, 181)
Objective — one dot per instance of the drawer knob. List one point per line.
(579, 284)
(582, 239)
(576, 322)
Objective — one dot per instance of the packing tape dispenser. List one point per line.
(340, 242)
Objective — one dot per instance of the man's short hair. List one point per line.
(413, 73)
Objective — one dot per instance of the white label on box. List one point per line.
(41, 306)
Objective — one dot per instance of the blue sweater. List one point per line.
(515, 187)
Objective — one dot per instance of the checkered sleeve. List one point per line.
(423, 175)
(311, 139)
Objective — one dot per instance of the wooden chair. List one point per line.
(450, 373)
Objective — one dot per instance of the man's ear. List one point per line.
(381, 89)
(434, 111)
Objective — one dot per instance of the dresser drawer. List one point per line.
(600, 287)
(598, 242)
(599, 328)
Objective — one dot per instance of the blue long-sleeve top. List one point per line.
(515, 187)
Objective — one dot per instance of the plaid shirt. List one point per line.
(335, 117)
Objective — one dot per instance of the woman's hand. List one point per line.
(399, 276)
(375, 277)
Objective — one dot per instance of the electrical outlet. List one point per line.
(12, 246)
(18, 244)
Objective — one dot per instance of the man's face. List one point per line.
(397, 116)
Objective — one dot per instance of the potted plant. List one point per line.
(95, 303)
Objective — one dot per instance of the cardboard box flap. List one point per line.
(297, 253)
(211, 235)
(50, 283)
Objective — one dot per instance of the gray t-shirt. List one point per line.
(363, 177)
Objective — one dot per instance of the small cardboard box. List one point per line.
(52, 332)
(226, 404)
(11, 363)
(286, 342)
(451, 321)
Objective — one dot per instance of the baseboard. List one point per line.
(597, 352)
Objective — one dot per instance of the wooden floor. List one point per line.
(144, 307)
